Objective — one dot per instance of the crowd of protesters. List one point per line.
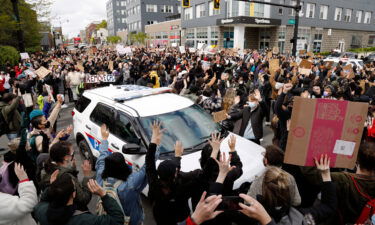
(39, 180)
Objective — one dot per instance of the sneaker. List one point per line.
(267, 123)
(64, 106)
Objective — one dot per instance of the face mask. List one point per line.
(252, 105)
(241, 82)
(325, 94)
(47, 125)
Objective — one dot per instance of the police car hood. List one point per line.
(249, 153)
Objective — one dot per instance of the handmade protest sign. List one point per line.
(275, 50)
(219, 116)
(348, 71)
(110, 65)
(106, 78)
(182, 49)
(305, 67)
(274, 65)
(25, 55)
(325, 126)
(42, 72)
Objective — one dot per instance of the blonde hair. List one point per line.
(275, 190)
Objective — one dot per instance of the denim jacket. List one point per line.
(129, 191)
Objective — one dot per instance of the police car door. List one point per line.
(125, 135)
(102, 114)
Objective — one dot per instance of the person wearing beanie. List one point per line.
(42, 128)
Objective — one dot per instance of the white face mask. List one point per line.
(252, 105)
(278, 85)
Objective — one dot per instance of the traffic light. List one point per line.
(185, 3)
(216, 4)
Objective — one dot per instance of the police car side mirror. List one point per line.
(133, 149)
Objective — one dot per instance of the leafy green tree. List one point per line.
(103, 24)
(139, 38)
(29, 25)
(113, 39)
(9, 54)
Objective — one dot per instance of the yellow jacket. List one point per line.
(153, 75)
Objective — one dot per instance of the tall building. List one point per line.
(115, 16)
(90, 29)
(133, 15)
(324, 25)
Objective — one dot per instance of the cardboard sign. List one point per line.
(348, 71)
(42, 72)
(110, 65)
(275, 50)
(192, 50)
(325, 126)
(106, 78)
(274, 65)
(302, 52)
(25, 55)
(294, 64)
(174, 45)
(328, 64)
(182, 49)
(219, 116)
(269, 55)
(27, 100)
(305, 67)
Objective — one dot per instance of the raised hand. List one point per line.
(323, 166)
(178, 149)
(60, 99)
(254, 209)
(20, 172)
(205, 209)
(86, 168)
(95, 188)
(224, 167)
(157, 132)
(215, 144)
(257, 95)
(104, 132)
(287, 87)
(232, 143)
(54, 176)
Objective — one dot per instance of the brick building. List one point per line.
(164, 34)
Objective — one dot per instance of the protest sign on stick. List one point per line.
(24, 55)
(325, 126)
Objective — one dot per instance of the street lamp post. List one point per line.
(21, 44)
(295, 36)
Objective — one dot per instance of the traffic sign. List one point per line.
(291, 21)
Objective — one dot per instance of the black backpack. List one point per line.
(4, 127)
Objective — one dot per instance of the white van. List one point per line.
(129, 110)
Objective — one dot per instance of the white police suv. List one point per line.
(129, 111)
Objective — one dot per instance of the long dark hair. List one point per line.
(116, 167)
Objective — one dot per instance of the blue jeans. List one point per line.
(12, 136)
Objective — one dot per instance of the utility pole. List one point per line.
(295, 35)
(21, 44)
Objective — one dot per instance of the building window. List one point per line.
(214, 32)
(179, 9)
(348, 15)
(310, 10)
(358, 16)
(356, 41)
(150, 22)
(371, 40)
(188, 13)
(151, 8)
(138, 9)
(167, 9)
(212, 11)
(258, 10)
(200, 10)
(282, 2)
(123, 3)
(202, 33)
(338, 14)
(281, 42)
(317, 45)
(367, 18)
(323, 12)
(123, 20)
(190, 33)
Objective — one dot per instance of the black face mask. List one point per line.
(47, 125)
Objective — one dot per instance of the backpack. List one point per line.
(4, 126)
(111, 190)
(368, 211)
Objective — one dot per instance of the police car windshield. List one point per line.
(190, 125)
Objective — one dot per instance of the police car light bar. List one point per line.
(139, 94)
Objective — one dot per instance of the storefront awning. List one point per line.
(249, 21)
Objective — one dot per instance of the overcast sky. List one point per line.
(75, 15)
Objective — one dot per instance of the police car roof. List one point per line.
(146, 101)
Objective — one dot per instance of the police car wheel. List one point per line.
(86, 153)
